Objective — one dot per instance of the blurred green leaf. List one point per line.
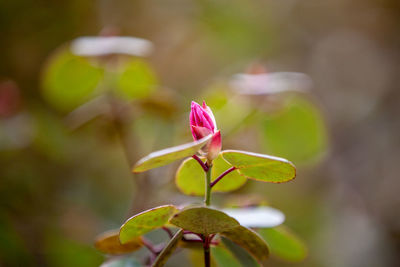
(196, 257)
(64, 252)
(245, 258)
(12, 248)
(217, 95)
(145, 222)
(137, 80)
(223, 257)
(168, 249)
(190, 177)
(235, 114)
(260, 167)
(203, 220)
(168, 155)
(69, 80)
(249, 240)
(284, 244)
(236, 26)
(109, 243)
(297, 131)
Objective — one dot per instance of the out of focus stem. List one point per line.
(142, 185)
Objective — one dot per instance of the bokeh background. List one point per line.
(66, 178)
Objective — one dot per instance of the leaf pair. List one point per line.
(190, 176)
(200, 220)
(70, 80)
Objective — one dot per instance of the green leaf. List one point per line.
(145, 222)
(109, 243)
(203, 220)
(69, 80)
(250, 241)
(260, 167)
(65, 252)
(245, 258)
(297, 131)
(284, 244)
(196, 257)
(259, 217)
(223, 257)
(190, 177)
(231, 181)
(168, 249)
(168, 155)
(137, 80)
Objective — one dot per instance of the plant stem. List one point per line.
(142, 185)
(206, 247)
(207, 197)
(222, 175)
(149, 245)
(202, 164)
(168, 231)
(207, 200)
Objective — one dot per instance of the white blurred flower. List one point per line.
(270, 83)
(100, 46)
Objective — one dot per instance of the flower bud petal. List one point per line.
(210, 113)
(201, 117)
(214, 147)
(200, 132)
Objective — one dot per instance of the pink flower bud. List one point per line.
(214, 147)
(202, 123)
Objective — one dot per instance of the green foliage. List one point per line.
(145, 222)
(284, 244)
(13, 245)
(109, 243)
(245, 258)
(223, 257)
(203, 220)
(168, 249)
(136, 81)
(296, 132)
(231, 181)
(190, 177)
(260, 167)
(166, 156)
(69, 80)
(66, 253)
(249, 240)
(236, 26)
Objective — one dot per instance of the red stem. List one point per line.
(169, 232)
(206, 248)
(222, 176)
(149, 246)
(202, 164)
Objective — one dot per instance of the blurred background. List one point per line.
(72, 124)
